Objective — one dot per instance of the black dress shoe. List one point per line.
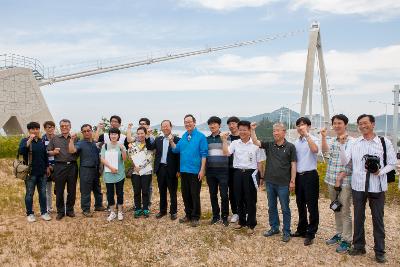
(173, 216)
(100, 208)
(160, 215)
(380, 258)
(71, 214)
(357, 251)
(59, 216)
(184, 220)
(308, 241)
(298, 234)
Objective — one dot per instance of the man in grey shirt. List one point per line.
(65, 170)
(279, 176)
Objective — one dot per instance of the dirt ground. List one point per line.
(93, 241)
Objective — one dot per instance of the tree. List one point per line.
(264, 130)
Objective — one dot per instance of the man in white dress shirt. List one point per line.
(307, 181)
(246, 160)
(366, 185)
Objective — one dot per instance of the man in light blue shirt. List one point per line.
(193, 150)
(307, 182)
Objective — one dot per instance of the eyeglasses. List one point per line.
(86, 131)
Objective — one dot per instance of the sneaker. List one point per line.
(146, 213)
(225, 222)
(380, 258)
(343, 247)
(271, 232)
(286, 237)
(120, 216)
(137, 213)
(235, 218)
(334, 240)
(46, 217)
(214, 221)
(31, 218)
(111, 217)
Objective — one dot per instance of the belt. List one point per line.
(90, 167)
(65, 162)
(163, 164)
(306, 172)
(245, 170)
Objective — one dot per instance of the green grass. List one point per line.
(9, 146)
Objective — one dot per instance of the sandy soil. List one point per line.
(83, 241)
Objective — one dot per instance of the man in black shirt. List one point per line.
(34, 152)
(280, 177)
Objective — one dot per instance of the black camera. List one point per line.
(335, 205)
(372, 163)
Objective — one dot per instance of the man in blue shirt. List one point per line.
(89, 169)
(193, 150)
(34, 153)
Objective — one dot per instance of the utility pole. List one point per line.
(395, 116)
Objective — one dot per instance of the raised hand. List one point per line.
(324, 132)
(253, 125)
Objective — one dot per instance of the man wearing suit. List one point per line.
(166, 167)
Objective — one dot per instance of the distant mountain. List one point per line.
(281, 114)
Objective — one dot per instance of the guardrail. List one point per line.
(14, 60)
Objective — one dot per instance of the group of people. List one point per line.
(231, 163)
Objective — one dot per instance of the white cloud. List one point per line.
(221, 5)
(375, 9)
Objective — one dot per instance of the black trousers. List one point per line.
(307, 194)
(219, 181)
(191, 186)
(66, 174)
(119, 190)
(89, 182)
(231, 191)
(246, 197)
(376, 204)
(170, 183)
(141, 191)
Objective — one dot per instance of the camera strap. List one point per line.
(367, 181)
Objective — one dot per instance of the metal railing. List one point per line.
(14, 60)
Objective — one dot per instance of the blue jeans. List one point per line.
(282, 192)
(30, 184)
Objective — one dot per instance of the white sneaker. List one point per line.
(235, 218)
(120, 216)
(31, 218)
(112, 216)
(46, 217)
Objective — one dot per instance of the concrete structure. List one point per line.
(21, 100)
(315, 49)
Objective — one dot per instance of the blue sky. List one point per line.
(360, 39)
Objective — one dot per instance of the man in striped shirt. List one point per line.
(338, 179)
(366, 185)
(217, 170)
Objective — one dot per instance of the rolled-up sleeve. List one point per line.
(203, 147)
